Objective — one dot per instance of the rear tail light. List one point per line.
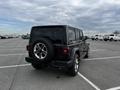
(65, 50)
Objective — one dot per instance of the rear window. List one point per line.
(48, 31)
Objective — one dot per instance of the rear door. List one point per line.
(75, 39)
(81, 43)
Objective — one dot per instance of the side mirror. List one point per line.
(85, 38)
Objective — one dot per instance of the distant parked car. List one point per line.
(114, 37)
(106, 37)
(100, 37)
(97, 37)
(25, 36)
(2, 37)
(94, 37)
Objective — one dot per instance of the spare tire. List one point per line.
(42, 50)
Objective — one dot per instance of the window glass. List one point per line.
(112, 35)
(71, 34)
(81, 34)
(77, 34)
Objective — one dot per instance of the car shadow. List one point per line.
(49, 72)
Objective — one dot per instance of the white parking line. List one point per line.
(13, 49)
(22, 65)
(13, 66)
(115, 88)
(88, 81)
(97, 50)
(104, 58)
(13, 54)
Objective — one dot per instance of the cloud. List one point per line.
(89, 14)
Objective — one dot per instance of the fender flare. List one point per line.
(73, 51)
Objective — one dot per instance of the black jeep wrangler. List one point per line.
(61, 46)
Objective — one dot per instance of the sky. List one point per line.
(93, 16)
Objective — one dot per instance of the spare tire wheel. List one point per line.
(43, 50)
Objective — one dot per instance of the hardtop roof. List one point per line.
(55, 26)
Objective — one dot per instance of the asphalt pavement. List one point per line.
(101, 71)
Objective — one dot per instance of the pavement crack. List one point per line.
(15, 74)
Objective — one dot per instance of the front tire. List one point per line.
(73, 70)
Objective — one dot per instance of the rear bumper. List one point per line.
(62, 64)
(54, 63)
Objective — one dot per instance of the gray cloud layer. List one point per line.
(101, 15)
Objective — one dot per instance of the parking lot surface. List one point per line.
(101, 71)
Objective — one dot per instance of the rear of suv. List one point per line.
(60, 46)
